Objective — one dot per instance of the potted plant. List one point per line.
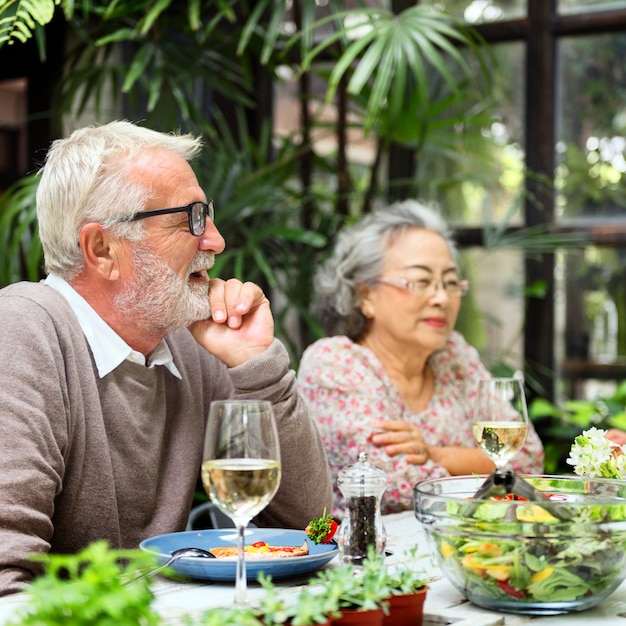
(408, 588)
(313, 607)
(310, 607)
(360, 593)
(386, 595)
(389, 596)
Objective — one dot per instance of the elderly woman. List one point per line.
(395, 379)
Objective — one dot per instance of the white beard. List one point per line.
(158, 300)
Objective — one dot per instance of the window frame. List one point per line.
(540, 32)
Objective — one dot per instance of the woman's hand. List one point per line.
(400, 437)
(616, 436)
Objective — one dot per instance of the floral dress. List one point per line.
(348, 389)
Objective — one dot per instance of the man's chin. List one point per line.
(199, 309)
(200, 317)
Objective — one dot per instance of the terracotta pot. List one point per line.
(406, 609)
(354, 617)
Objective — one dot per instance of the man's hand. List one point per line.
(241, 324)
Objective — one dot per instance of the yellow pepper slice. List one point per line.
(446, 549)
(534, 513)
(499, 572)
(537, 577)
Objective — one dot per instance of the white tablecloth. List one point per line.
(444, 605)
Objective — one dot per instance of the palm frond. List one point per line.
(390, 56)
(20, 248)
(19, 18)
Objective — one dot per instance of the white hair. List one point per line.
(83, 180)
(358, 257)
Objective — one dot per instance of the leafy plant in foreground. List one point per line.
(95, 587)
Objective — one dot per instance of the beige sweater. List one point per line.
(84, 458)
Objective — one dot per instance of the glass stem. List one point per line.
(240, 580)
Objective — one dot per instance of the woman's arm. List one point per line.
(529, 460)
(459, 460)
(404, 438)
(349, 393)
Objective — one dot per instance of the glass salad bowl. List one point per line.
(565, 552)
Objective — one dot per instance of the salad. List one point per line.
(511, 550)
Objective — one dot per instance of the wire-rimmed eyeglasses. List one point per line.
(453, 287)
(197, 212)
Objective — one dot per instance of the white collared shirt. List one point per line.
(108, 348)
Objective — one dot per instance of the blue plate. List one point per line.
(199, 568)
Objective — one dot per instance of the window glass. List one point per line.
(492, 313)
(361, 150)
(481, 11)
(584, 6)
(476, 171)
(590, 309)
(591, 128)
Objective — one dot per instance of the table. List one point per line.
(444, 605)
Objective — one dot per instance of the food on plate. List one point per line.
(321, 529)
(261, 550)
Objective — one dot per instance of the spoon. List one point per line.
(181, 553)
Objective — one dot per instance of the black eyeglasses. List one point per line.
(197, 213)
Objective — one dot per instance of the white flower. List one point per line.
(593, 455)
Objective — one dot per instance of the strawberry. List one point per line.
(321, 529)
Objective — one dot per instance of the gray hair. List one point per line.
(83, 180)
(357, 260)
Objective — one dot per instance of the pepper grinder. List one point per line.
(362, 486)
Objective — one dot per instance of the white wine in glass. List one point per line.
(500, 419)
(241, 467)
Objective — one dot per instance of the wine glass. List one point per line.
(500, 419)
(241, 467)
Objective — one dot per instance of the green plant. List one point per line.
(310, 606)
(362, 588)
(406, 578)
(20, 247)
(341, 588)
(280, 198)
(19, 20)
(558, 425)
(224, 617)
(271, 608)
(95, 587)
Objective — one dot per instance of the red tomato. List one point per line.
(509, 589)
(331, 532)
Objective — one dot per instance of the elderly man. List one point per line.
(110, 364)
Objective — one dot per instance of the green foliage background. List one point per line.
(279, 200)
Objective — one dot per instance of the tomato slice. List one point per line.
(510, 590)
